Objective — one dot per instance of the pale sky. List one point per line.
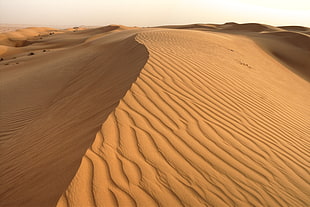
(153, 12)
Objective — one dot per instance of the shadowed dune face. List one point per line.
(295, 28)
(117, 116)
(52, 104)
(249, 27)
(212, 120)
(290, 48)
(298, 39)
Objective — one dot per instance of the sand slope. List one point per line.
(290, 48)
(288, 44)
(212, 120)
(52, 104)
(118, 116)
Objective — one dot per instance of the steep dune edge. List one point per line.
(52, 104)
(212, 120)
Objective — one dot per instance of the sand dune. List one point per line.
(191, 26)
(18, 37)
(291, 48)
(288, 44)
(183, 118)
(52, 104)
(13, 42)
(249, 27)
(295, 28)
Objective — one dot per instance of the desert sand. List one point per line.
(186, 115)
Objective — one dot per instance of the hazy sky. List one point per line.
(154, 12)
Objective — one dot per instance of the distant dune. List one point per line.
(186, 115)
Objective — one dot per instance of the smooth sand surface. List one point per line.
(193, 115)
